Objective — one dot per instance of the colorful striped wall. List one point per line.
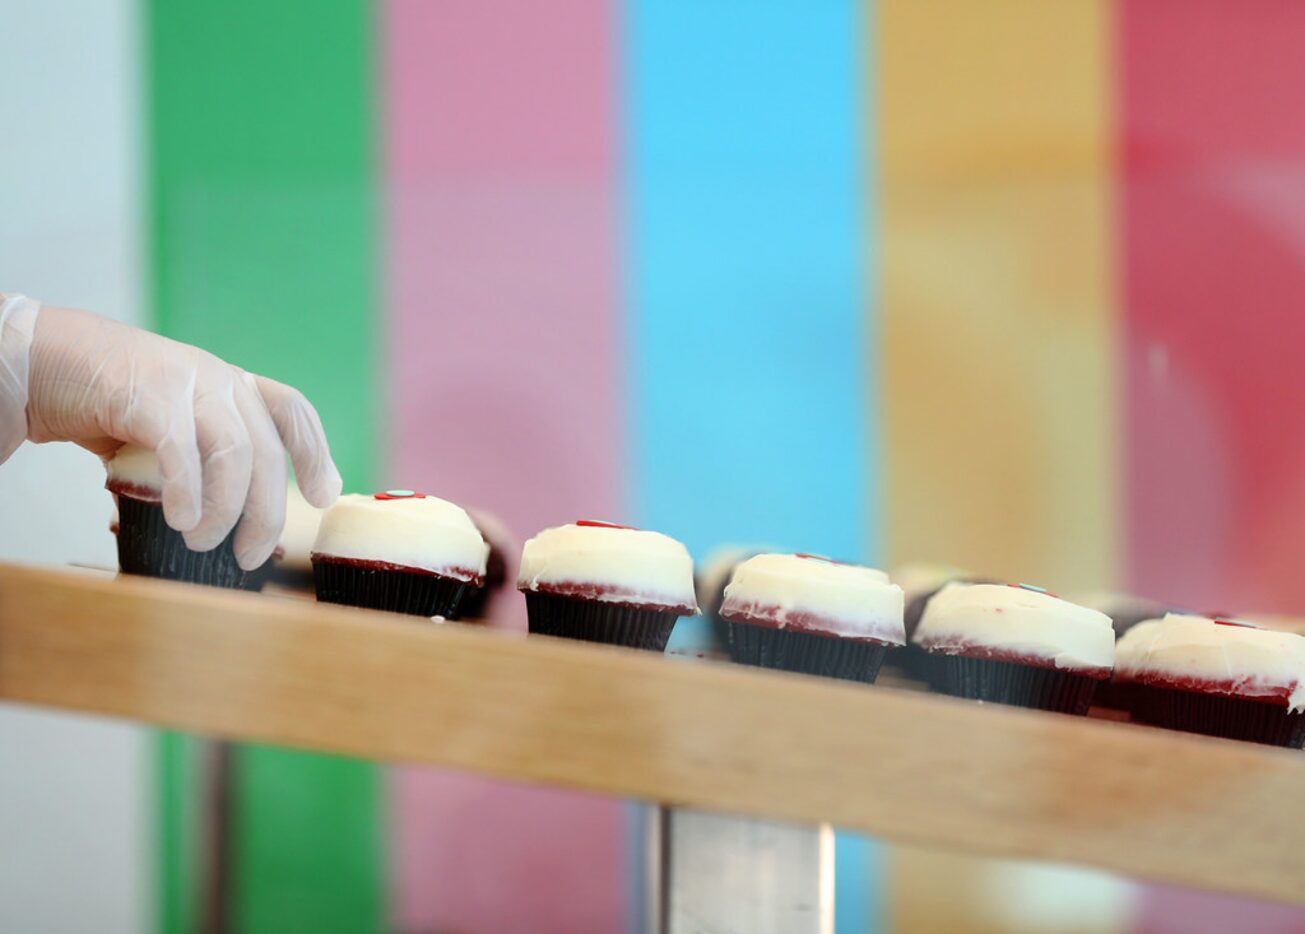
(1013, 285)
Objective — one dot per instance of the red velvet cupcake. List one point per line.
(808, 614)
(710, 639)
(400, 551)
(291, 567)
(1218, 677)
(1015, 644)
(600, 582)
(920, 582)
(148, 546)
(476, 602)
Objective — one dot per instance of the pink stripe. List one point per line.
(505, 351)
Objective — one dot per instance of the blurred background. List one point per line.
(1015, 285)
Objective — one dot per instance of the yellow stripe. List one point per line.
(999, 377)
(997, 299)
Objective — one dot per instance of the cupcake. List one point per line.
(1218, 677)
(711, 637)
(476, 601)
(147, 545)
(1015, 644)
(292, 565)
(606, 583)
(1126, 612)
(810, 614)
(920, 582)
(400, 551)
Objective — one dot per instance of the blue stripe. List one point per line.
(747, 271)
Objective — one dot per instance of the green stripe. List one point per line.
(264, 198)
(177, 830)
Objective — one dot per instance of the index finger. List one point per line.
(300, 428)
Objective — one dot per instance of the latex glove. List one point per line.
(220, 434)
(17, 322)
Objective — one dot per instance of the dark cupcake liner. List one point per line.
(259, 577)
(595, 621)
(474, 601)
(806, 653)
(1218, 715)
(910, 661)
(293, 578)
(383, 589)
(1115, 695)
(987, 679)
(711, 604)
(149, 547)
(720, 629)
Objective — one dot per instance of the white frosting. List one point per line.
(611, 565)
(137, 468)
(302, 521)
(1019, 622)
(814, 594)
(425, 533)
(1253, 662)
(718, 567)
(495, 531)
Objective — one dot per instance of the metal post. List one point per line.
(718, 874)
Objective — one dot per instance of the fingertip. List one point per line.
(179, 475)
(324, 487)
(180, 510)
(258, 534)
(200, 540)
(255, 556)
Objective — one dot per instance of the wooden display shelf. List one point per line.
(1207, 813)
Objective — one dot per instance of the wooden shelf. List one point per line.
(1208, 813)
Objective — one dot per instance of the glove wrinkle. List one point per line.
(221, 434)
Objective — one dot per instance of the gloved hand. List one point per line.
(220, 433)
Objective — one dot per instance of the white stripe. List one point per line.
(78, 844)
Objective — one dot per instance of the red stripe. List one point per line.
(1214, 276)
(1214, 224)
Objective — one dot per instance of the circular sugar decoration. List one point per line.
(399, 494)
(600, 524)
(823, 558)
(1234, 622)
(1033, 589)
